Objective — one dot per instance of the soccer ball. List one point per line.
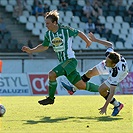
(2, 110)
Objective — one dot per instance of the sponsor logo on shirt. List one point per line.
(57, 41)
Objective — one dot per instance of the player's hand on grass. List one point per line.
(26, 49)
(102, 110)
(92, 37)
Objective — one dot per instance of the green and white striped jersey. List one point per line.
(61, 41)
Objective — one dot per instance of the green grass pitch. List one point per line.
(69, 114)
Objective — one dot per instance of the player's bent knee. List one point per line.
(100, 90)
(52, 75)
(90, 72)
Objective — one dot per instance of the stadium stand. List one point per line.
(114, 18)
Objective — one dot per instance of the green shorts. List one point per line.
(68, 68)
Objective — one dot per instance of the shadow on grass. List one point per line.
(47, 120)
(107, 118)
(74, 119)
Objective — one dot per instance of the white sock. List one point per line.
(115, 103)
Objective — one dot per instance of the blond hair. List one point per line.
(53, 15)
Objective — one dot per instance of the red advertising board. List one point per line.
(39, 83)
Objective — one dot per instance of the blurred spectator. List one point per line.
(99, 2)
(27, 7)
(46, 8)
(130, 11)
(88, 10)
(39, 10)
(97, 9)
(35, 4)
(18, 9)
(90, 26)
(63, 6)
(117, 2)
(92, 2)
(98, 26)
(3, 29)
(106, 3)
(103, 31)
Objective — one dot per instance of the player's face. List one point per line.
(49, 24)
(109, 62)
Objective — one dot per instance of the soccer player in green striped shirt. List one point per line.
(60, 37)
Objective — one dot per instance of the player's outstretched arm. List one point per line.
(85, 38)
(104, 108)
(39, 48)
(103, 42)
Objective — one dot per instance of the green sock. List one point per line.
(91, 87)
(52, 88)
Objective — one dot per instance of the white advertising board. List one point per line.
(37, 84)
(14, 85)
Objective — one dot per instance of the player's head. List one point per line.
(112, 59)
(52, 18)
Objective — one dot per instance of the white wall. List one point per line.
(30, 66)
(88, 63)
(12, 66)
(45, 65)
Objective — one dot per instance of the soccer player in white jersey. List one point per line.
(60, 37)
(116, 66)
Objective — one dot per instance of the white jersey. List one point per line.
(116, 74)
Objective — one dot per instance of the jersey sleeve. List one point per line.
(72, 32)
(46, 41)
